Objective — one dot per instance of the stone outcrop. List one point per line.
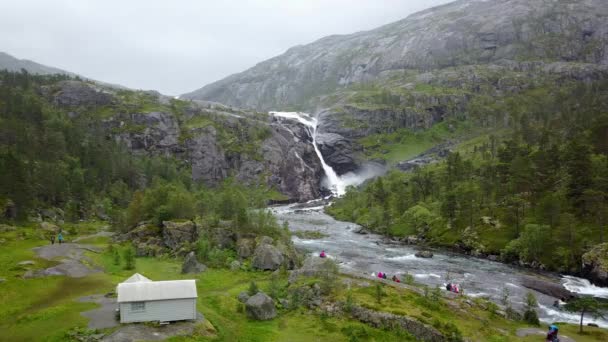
(191, 264)
(267, 257)
(176, 234)
(260, 307)
(337, 152)
(595, 265)
(76, 94)
(545, 287)
(383, 320)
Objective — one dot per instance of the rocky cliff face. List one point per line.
(465, 32)
(213, 140)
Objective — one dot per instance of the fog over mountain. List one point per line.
(175, 47)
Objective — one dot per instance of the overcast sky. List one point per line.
(176, 46)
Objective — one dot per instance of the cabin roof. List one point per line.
(147, 290)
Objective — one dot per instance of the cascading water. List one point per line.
(335, 183)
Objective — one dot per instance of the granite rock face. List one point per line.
(595, 264)
(464, 32)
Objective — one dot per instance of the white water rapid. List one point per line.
(336, 184)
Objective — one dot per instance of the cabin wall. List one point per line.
(160, 310)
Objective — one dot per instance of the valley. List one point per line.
(463, 145)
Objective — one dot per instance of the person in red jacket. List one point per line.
(322, 255)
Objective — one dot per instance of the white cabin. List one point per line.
(143, 300)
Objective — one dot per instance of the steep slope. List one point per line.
(11, 63)
(464, 32)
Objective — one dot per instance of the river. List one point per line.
(365, 254)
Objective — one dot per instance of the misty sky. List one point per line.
(176, 46)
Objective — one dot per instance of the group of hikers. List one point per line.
(383, 275)
(59, 237)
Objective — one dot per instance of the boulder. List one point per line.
(223, 238)
(144, 249)
(546, 287)
(267, 257)
(191, 264)
(266, 240)
(47, 226)
(312, 267)
(424, 254)
(260, 307)
(235, 265)
(175, 234)
(143, 231)
(595, 264)
(243, 297)
(245, 248)
(412, 240)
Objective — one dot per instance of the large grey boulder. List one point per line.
(267, 257)
(260, 307)
(191, 264)
(548, 288)
(313, 266)
(243, 297)
(176, 234)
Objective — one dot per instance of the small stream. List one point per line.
(365, 254)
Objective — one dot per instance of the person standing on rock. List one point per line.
(60, 238)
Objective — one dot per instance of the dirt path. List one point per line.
(72, 261)
(104, 316)
(523, 332)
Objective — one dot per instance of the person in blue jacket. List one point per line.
(60, 238)
(552, 333)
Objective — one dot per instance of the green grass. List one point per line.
(405, 144)
(46, 308)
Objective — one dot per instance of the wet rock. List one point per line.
(592, 325)
(243, 297)
(595, 264)
(176, 234)
(493, 257)
(337, 152)
(424, 254)
(191, 264)
(550, 289)
(412, 240)
(260, 307)
(267, 257)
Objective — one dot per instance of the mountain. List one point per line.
(465, 32)
(11, 63)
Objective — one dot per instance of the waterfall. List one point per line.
(336, 184)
